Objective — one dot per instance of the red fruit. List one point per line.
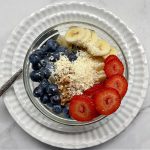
(113, 67)
(110, 57)
(93, 89)
(82, 108)
(107, 101)
(119, 83)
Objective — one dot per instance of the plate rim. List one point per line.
(47, 18)
(98, 9)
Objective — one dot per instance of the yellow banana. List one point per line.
(113, 51)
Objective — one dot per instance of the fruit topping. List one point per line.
(38, 91)
(82, 108)
(55, 99)
(36, 76)
(57, 109)
(45, 99)
(75, 34)
(66, 112)
(61, 49)
(119, 83)
(113, 51)
(44, 83)
(62, 41)
(46, 72)
(114, 67)
(100, 48)
(107, 101)
(72, 56)
(36, 66)
(111, 57)
(43, 63)
(40, 52)
(34, 58)
(52, 89)
(93, 38)
(51, 45)
(91, 91)
(49, 104)
(54, 57)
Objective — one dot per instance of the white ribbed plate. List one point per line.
(138, 77)
(29, 37)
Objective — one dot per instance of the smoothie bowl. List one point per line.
(72, 74)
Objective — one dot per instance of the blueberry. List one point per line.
(52, 89)
(44, 83)
(61, 49)
(45, 99)
(46, 72)
(54, 57)
(49, 104)
(38, 92)
(66, 112)
(55, 99)
(50, 66)
(57, 109)
(72, 56)
(40, 52)
(44, 50)
(43, 63)
(51, 45)
(34, 58)
(36, 75)
(36, 66)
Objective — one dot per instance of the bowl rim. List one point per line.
(38, 105)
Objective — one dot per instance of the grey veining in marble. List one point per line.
(136, 13)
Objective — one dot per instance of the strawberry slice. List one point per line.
(107, 101)
(113, 67)
(82, 108)
(91, 91)
(119, 83)
(110, 57)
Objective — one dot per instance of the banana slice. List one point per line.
(62, 41)
(75, 35)
(93, 50)
(86, 38)
(113, 51)
(101, 48)
(94, 37)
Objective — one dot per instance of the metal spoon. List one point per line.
(9, 82)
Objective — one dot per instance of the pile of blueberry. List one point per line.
(42, 61)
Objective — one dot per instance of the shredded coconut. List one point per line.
(75, 77)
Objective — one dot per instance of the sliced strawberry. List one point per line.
(113, 67)
(119, 83)
(107, 101)
(93, 89)
(110, 57)
(82, 108)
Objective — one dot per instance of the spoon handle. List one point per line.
(9, 82)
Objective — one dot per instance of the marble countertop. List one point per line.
(136, 14)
